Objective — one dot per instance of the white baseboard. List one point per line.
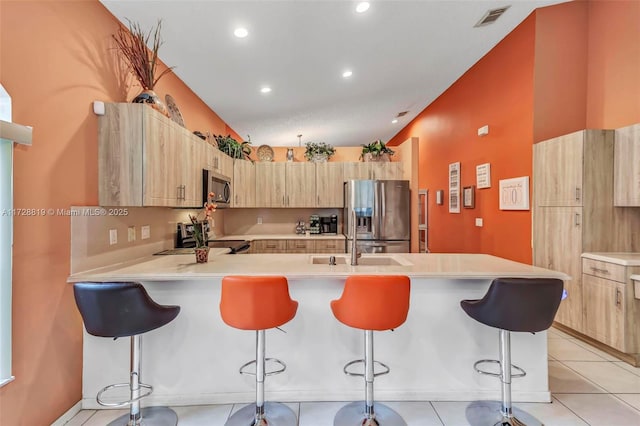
(71, 412)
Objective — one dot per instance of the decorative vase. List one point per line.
(371, 157)
(319, 158)
(202, 254)
(150, 97)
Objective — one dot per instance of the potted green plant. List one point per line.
(318, 151)
(376, 151)
(233, 148)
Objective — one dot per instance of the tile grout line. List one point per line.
(88, 418)
(625, 402)
(437, 414)
(571, 411)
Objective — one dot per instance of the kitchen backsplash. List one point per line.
(90, 239)
(274, 221)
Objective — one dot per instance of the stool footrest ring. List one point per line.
(521, 373)
(123, 403)
(269, 373)
(358, 361)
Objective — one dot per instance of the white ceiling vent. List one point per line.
(402, 114)
(491, 16)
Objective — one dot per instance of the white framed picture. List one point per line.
(483, 176)
(454, 187)
(514, 193)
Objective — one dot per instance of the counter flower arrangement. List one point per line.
(199, 231)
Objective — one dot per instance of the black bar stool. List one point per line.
(511, 304)
(126, 310)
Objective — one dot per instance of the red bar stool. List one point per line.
(258, 303)
(371, 302)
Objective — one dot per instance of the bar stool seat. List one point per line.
(511, 304)
(124, 309)
(259, 303)
(371, 302)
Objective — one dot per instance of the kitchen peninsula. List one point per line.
(194, 359)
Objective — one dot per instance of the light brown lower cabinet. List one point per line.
(297, 246)
(611, 313)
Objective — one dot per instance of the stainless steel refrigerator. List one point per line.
(383, 215)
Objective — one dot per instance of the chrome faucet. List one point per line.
(354, 242)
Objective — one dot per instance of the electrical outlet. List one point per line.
(213, 222)
(259, 220)
(145, 232)
(479, 222)
(131, 233)
(113, 236)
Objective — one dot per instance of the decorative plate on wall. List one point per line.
(265, 153)
(174, 112)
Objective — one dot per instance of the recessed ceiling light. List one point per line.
(363, 6)
(265, 89)
(241, 32)
(394, 121)
(347, 73)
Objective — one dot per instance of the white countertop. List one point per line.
(624, 259)
(435, 265)
(251, 237)
(635, 277)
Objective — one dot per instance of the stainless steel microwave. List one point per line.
(218, 184)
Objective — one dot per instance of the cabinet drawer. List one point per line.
(269, 246)
(606, 270)
(330, 246)
(300, 246)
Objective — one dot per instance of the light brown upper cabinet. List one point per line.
(244, 184)
(145, 159)
(627, 167)
(329, 185)
(391, 170)
(270, 184)
(301, 185)
(558, 179)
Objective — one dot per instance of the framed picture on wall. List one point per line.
(468, 197)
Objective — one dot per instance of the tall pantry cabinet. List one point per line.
(573, 211)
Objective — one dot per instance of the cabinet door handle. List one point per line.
(618, 297)
(602, 271)
(577, 193)
(318, 200)
(283, 201)
(577, 219)
(184, 192)
(271, 246)
(287, 200)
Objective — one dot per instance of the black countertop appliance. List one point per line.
(329, 224)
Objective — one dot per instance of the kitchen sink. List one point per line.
(362, 261)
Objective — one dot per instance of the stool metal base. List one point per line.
(354, 415)
(275, 414)
(489, 413)
(151, 416)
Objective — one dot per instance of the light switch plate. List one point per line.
(145, 232)
(259, 220)
(479, 221)
(113, 236)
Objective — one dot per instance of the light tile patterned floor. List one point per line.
(589, 387)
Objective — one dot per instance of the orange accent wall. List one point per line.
(54, 61)
(613, 82)
(566, 67)
(498, 91)
(560, 75)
